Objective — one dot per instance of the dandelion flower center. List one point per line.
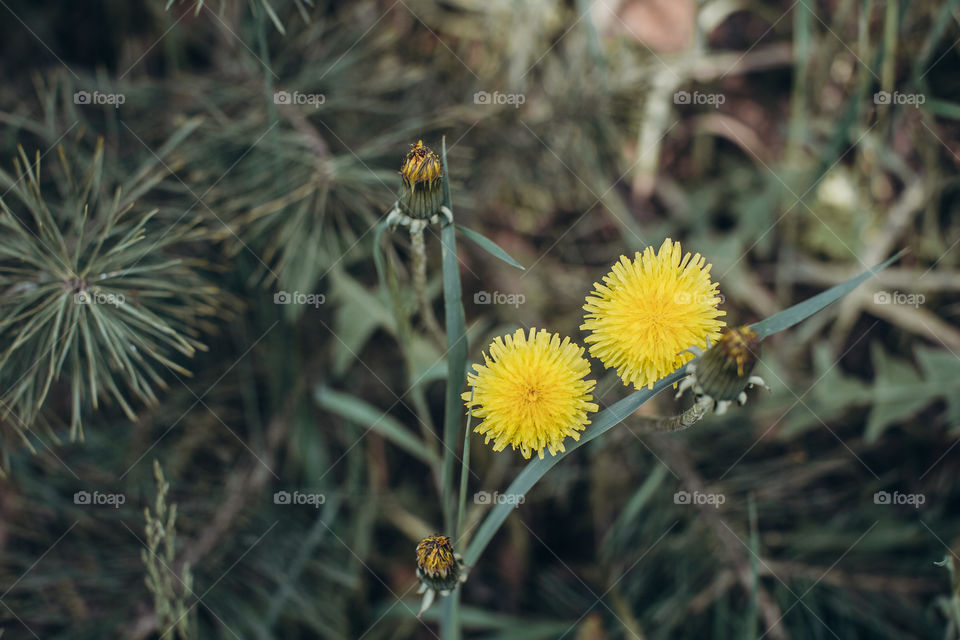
(649, 310)
(531, 393)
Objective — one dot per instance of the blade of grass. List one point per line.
(456, 326)
(800, 312)
(943, 108)
(358, 411)
(457, 350)
(489, 246)
(464, 476)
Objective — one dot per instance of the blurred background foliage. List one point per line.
(797, 180)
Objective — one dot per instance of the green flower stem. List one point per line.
(464, 473)
(666, 424)
(419, 250)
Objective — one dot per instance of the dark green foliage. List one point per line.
(202, 197)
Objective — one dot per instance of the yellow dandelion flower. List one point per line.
(531, 393)
(649, 310)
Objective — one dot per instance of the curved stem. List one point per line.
(679, 422)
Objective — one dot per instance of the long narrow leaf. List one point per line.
(800, 312)
(372, 418)
(489, 246)
(456, 326)
(456, 354)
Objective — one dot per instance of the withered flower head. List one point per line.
(439, 569)
(437, 563)
(421, 165)
(724, 371)
(421, 192)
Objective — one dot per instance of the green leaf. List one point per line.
(457, 349)
(941, 108)
(456, 325)
(602, 422)
(489, 246)
(940, 369)
(898, 392)
(831, 396)
(369, 417)
(359, 313)
(800, 312)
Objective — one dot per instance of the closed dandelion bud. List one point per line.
(724, 370)
(438, 566)
(421, 191)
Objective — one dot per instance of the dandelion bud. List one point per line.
(439, 569)
(437, 565)
(724, 370)
(421, 192)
